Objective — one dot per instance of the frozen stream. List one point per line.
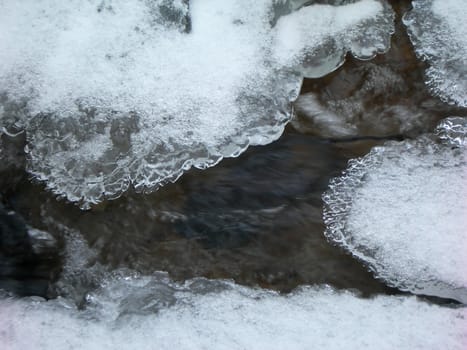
(137, 209)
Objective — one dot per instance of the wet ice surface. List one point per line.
(107, 106)
(402, 210)
(149, 312)
(439, 33)
(453, 131)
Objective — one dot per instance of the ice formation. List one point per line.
(116, 93)
(153, 312)
(438, 31)
(402, 209)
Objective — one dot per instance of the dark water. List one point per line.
(255, 219)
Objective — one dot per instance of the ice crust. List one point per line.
(438, 31)
(402, 209)
(116, 93)
(153, 312)
(453, 131)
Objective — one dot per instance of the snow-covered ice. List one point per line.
(402, 209)
(116, 93)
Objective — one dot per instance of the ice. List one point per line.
(116, 93)
(298, 42)
(453, 131)
(402, 209)
(438, 31)
(153, 312)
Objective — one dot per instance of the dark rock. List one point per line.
(27, 256)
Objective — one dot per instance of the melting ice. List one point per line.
(114, 93)
(402, 209)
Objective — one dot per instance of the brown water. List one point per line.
(256, 218)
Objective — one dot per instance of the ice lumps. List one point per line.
(402, 209)
(453, 131)
(154, 312)
(438, 31)
(119, 93)
(359, 27)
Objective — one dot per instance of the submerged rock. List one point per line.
(28, 256)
